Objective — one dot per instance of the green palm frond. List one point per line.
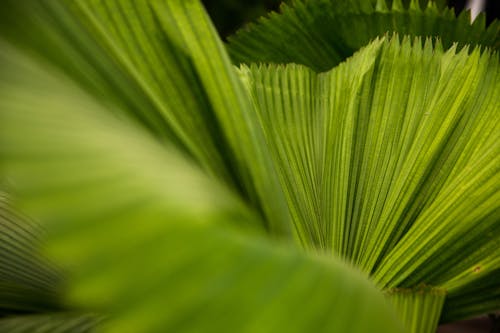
(173, 80)
(476, 297)
(322, 33)
(405, 178)
(151, 240)
(184, 194)
(51, 323)
(28, 282)
(426, 302)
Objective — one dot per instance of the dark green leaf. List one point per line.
(322, 33)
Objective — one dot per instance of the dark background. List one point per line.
(229, 15)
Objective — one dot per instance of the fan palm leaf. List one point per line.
(180, 193)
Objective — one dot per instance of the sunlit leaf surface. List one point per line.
(391, 160)
(150, 240)
(182, 194)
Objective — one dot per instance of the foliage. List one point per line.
(331, 31)
(178, 193)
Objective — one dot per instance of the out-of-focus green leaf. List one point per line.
(322, 33)
(151, 240)
(161, 64)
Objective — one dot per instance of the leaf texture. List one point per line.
(320, 34)
(28, 282)
(421, 307)
(151, 240)
(391, 160)
(50, 323)
(162, 64)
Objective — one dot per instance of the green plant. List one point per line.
(180, 193)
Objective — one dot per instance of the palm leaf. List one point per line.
(419, 303)
(50, 323)
(150, 239)
(322, 33)
(28, 282)
(160, 67)
(476, 297)
(390, 161)
(392, 166)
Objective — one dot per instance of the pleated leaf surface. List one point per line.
(152, 242)
(50, 323)
(322, 33)
(392, 161)
(28, 282)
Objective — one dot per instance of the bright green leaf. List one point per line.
(161, 64)
(152, 241)
(391, 160)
